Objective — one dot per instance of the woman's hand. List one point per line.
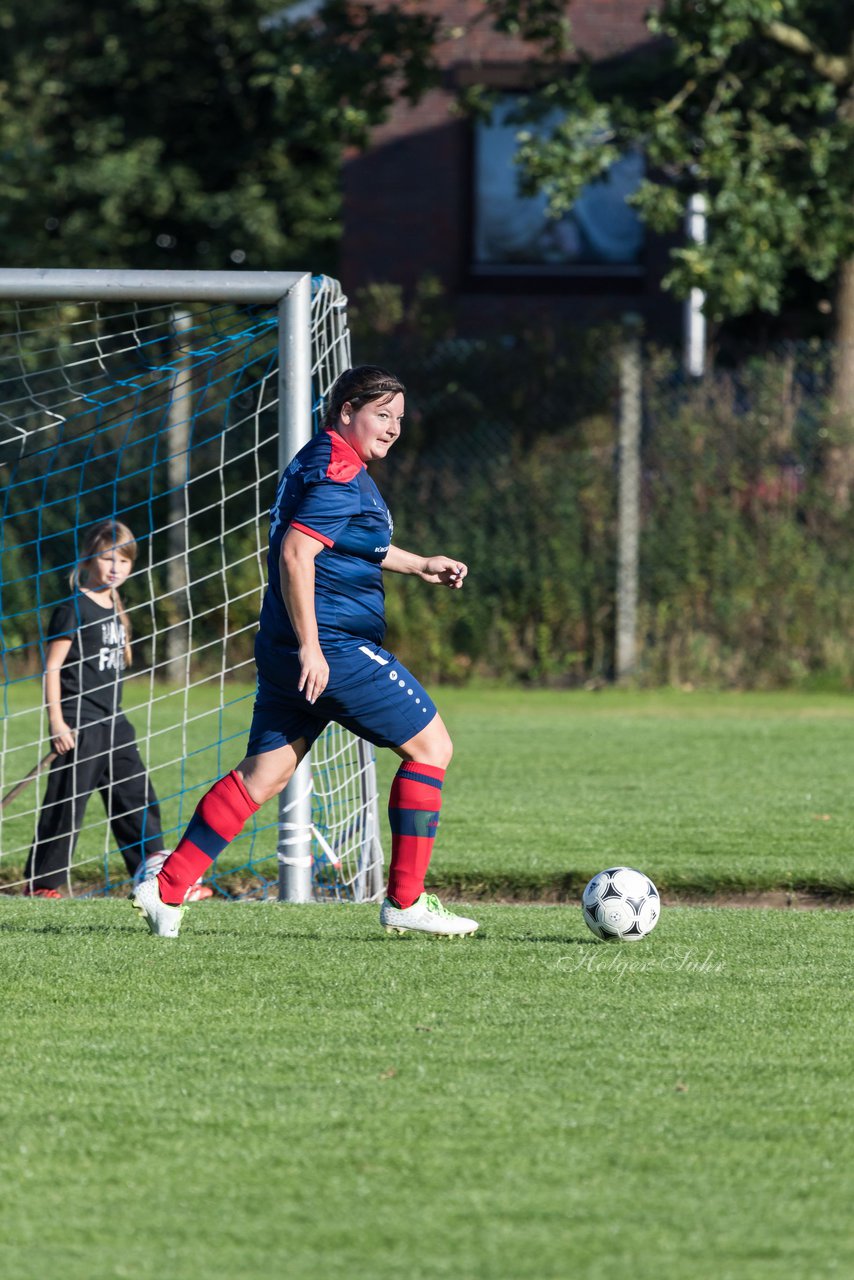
(62, 738)
(314, 671)
(444, 571)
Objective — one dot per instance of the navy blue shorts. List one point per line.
(369, 692)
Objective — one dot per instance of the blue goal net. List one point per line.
(163, 418)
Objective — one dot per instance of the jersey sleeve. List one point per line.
(63, 622)
(326, 508)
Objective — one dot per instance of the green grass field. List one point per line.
(287, 1092)
(706, 792)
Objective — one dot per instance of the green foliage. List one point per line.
(544, 22)
(190, 133)
(505, 461)
(508, 461)
(532, 519)
(744, 558)
(750, 104)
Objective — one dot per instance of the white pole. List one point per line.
(294, 847)
(694, 358)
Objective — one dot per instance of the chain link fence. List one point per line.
(620, 518)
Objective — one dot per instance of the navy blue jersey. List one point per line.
(326, 492)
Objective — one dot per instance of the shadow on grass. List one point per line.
(10, 926)
(374, 939)
(525, 939)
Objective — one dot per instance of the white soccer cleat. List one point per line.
(163, 920)
(426, 915)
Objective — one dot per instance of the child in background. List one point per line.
(88, 651)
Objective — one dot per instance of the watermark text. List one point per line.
(620, 961)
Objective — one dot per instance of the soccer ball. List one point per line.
(620, 905)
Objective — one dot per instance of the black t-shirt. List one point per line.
(91, 676)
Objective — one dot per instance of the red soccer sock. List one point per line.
(220, 816)
(413, 811)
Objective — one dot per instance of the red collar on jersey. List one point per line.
(344, 462)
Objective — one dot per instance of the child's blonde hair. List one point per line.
(103, 537)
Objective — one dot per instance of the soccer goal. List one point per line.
(171, 402)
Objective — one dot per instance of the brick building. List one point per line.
(435, 194)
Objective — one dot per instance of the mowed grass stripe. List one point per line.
(706, 792)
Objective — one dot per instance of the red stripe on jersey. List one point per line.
(344, 462)
(312, 533)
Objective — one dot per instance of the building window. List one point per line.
(513, 235)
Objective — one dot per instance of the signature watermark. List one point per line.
(620, 961)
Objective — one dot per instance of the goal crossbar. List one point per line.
(22, 284)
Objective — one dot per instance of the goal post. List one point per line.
(295, 825)
(170, 400)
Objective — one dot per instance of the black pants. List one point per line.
(106, 759)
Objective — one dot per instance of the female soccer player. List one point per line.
(88, 650)
(319, 657)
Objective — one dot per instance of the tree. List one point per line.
(190, 133)
(748, 102)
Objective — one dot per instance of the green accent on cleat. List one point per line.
(425, 915)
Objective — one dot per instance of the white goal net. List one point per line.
(173, 415)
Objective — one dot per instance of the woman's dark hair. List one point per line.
(360, 386)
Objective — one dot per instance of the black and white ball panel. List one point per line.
(621, 904)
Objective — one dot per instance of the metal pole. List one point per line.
(694, 346)
(294, 846)
(628, 517)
